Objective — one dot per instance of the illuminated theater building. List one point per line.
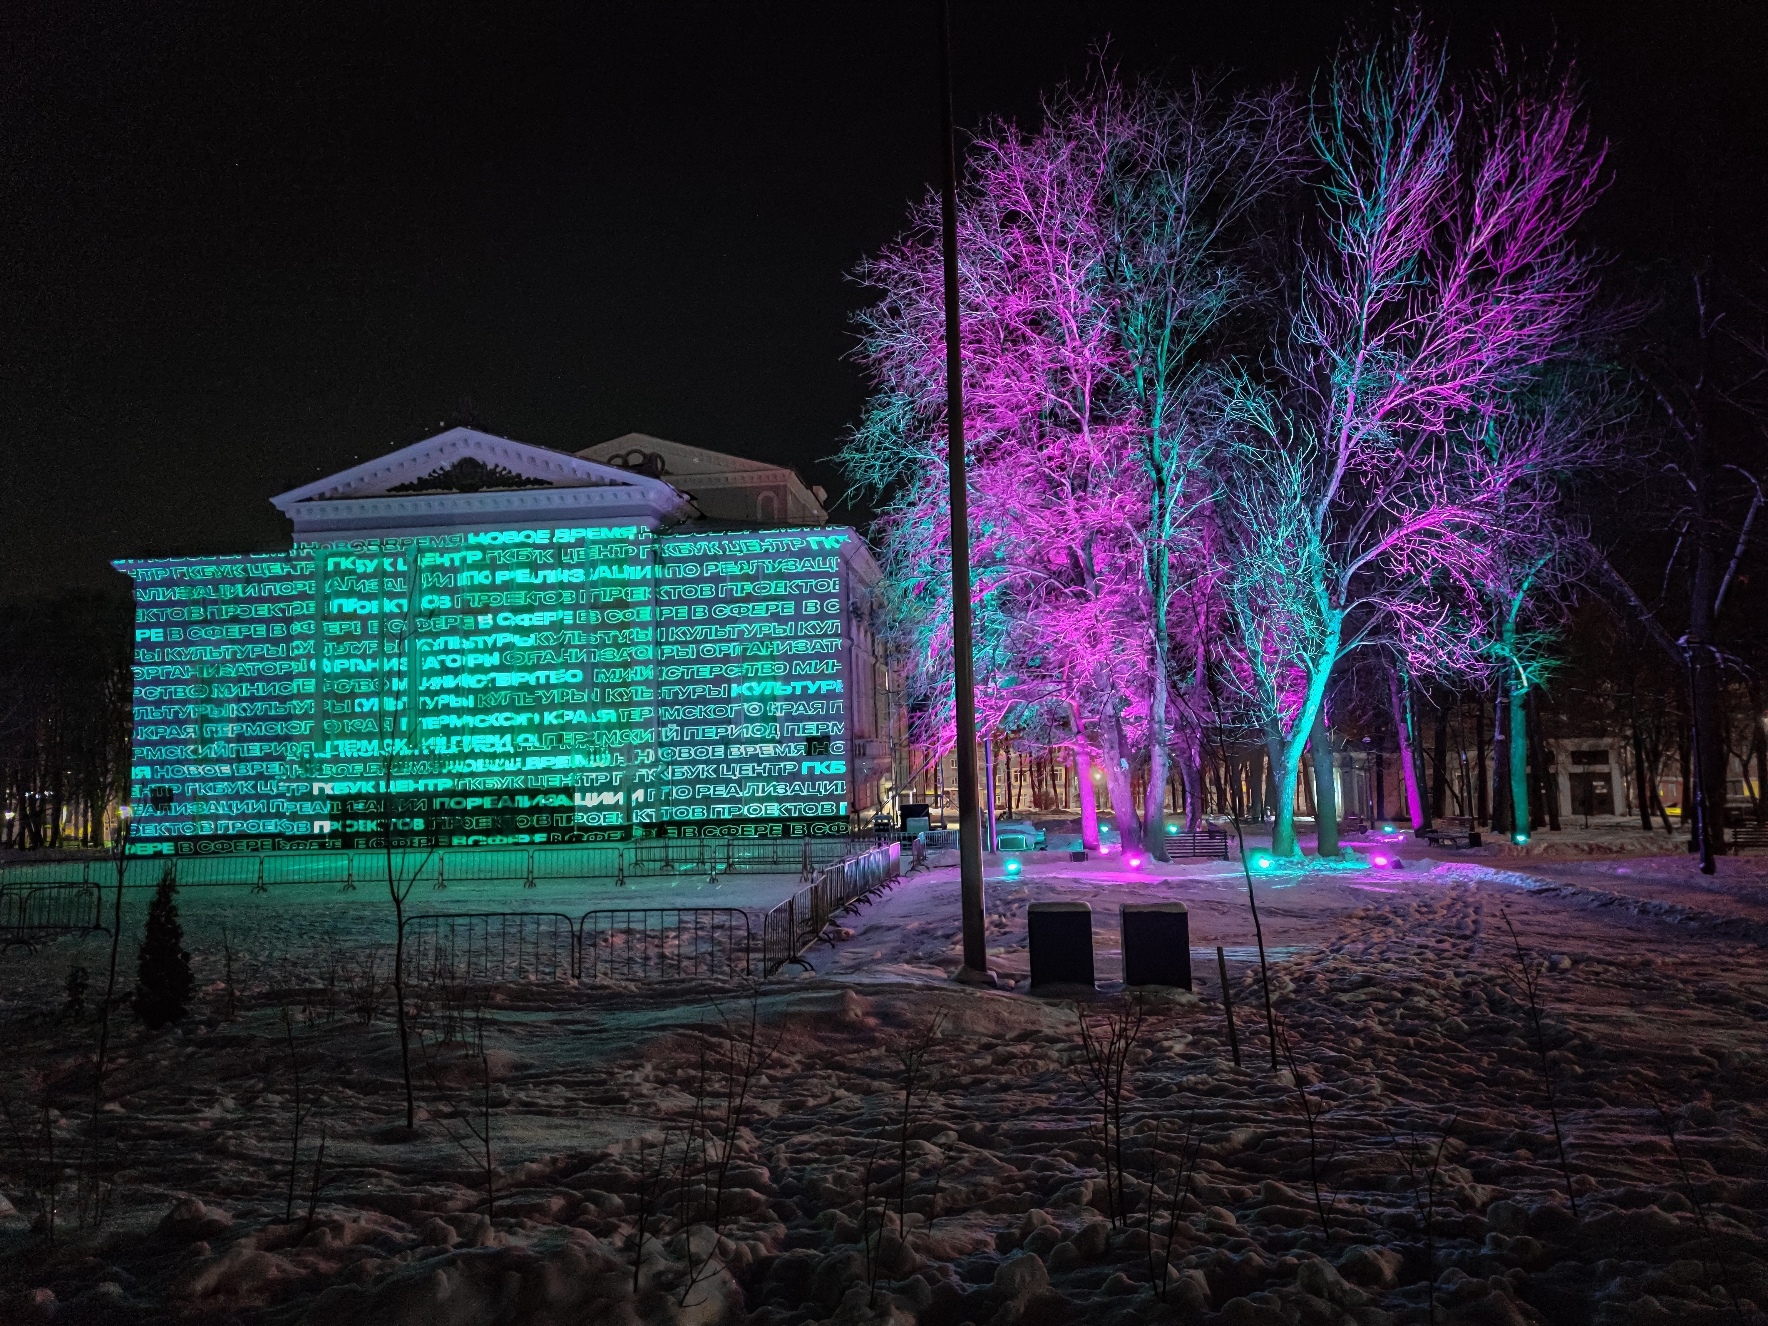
(486, 642)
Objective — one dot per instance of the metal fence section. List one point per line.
(644, 944)
(490, 948)
(450, 866)
(794, 925)
(31, 916)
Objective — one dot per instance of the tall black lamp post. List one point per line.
(975, 968)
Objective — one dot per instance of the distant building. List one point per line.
(1595, 776)
(477, 641)
(722, 487)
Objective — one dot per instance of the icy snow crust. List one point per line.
(1397, 990)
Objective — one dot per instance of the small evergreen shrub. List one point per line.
(162, 979)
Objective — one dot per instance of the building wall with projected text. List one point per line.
(574, 683)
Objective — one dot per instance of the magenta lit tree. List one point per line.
(1102, 275)
(1184, 289)
(1051, 568)
(1179, 479)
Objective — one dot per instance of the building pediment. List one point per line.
(464, 478)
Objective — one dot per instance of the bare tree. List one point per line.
(1439, 280)
(1160, 1253)
(1107, 1043)
(298, 1116)
(912, 1055)
(473, 1115)
(1679, 548)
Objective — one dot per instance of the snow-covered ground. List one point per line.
(1398, 995)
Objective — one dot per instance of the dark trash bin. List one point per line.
(1061, 935)
(1156, 944)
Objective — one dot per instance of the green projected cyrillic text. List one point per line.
(513, 686)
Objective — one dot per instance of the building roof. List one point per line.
(465, 479)
(700, 472)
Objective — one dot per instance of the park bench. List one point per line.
(1451, 831)
(1749, 835)
(1210, 843)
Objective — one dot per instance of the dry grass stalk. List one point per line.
(1526, 975)
(1422, 1158)
(1105, 1056)
(1312, 1111)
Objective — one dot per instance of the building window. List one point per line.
(1589, 757)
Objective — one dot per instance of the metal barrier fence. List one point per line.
(712, 943)
(525, 865)
(490, 948)
(28, 916)
(639, 944)
(793, 926)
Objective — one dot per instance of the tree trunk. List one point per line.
(1439, 774)
(1519, 766)
(1685, 802)
(1117, 781)
(1761, 745)
(1325, 791)
(1154, 802)
(1083, 778)
(1709, 750)
(1285, 757)
(1154, 797)
(55, 795)
(1191, 779)
(1544, 782)
(1408, 765)
(1641, 783)
(399, 984)
(1501, 818)
(1286, 751)
(1482, 810)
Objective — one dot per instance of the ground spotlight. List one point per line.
(1012, 865)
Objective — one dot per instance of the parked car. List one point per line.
(1018, 836)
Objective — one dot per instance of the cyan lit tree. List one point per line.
(1438, 283)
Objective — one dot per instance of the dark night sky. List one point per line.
(248, 245)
